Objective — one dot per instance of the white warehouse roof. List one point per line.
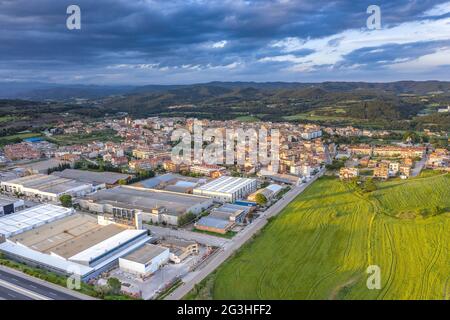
(45, 259)
(226, 184)
(28, 219)
(106, 246)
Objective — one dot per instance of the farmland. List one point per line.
(320, 246)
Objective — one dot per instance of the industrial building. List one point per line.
(28, 219)
(10, 205)
(66, 243)
(157, 206)
(99, 180)
(269, 192)
(46, 188)
(223, 219)
(180, 249)
(227, 189)
(145, 260)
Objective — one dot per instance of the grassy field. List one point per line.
(70, 139)
(16, 138)
(320, 246)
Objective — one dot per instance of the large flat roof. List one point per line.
(47, 183)
(45, 259)
(28, 219)
(226, 184)
(68, 236)
(96, 251)
(213, 222)
(145, 253)
(92, 177)
(147, 199)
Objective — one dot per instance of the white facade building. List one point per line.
(227, 189)
(46, 188)
(145, 260)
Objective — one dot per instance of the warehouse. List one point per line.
(13, 224)
(227, 189)
(145, 260)
(180, 249)
(46, 188)
(157, 206)
(269, 192)
(10, 205)
(97, 179)
(223, 219)
(74, 244)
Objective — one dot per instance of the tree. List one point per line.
(186, 218)
(411, 136)
(261, 199)
(66, 200)
(114, 285)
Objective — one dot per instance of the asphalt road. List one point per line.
(8, 294)
(24, 287)
(229, 248)
(188, 235)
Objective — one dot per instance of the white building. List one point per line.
(53, 238)
(301, 170)
(46, 188)
(25, 220)
(227, 189)
(145, 260)
(311, 133)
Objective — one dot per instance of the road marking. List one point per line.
(23, 291)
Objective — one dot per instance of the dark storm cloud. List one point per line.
(149, 39)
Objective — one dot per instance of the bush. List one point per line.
(66, 200)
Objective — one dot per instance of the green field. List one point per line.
(80, 138)
(16, 138)
(247, 119)
(320, 246)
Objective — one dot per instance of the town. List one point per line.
(124, 218)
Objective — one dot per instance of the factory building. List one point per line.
(99, 180)
(227, 189)
(180, 249)
(145, 260)
(223, 219)
(28, 219)
(46, 188)
(158, 206)
(10, 205)
(57, 239)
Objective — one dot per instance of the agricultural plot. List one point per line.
(321, 245)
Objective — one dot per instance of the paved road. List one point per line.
(188, 235)
(35, 289)
(419, 166)
(8, 294)
(229, 248)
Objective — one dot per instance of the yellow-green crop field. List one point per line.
(321, 245)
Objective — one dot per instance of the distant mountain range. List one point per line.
(51, 91)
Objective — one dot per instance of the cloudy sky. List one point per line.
(191, 41)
